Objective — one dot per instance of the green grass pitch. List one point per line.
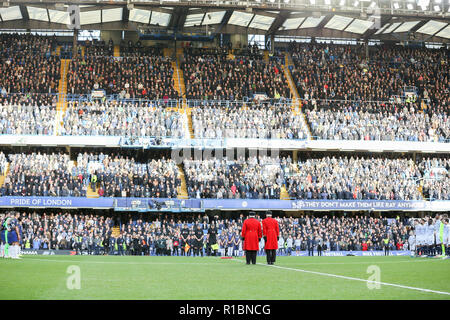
(114, 277)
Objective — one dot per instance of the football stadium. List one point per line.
(224, 150)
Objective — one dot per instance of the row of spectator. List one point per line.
(324, 71)
(135, 77)
(253, 178)
(321, 71)
(261, 121)
(340, 120)
(262, 177)
(216, 77)
(93, 233)
(119, 118)
(27, 64)
(33, 114)
(329, 120)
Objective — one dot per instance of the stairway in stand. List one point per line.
(168, 52)
(178, 76)
(287, 73)
(266, 56)
(284, 195)
(420, 188)
(3, 177)
(116, 51)
(178, 80)
(182, 190)
(90, 193)
(61, 105)
(189, 118)
(297, 105)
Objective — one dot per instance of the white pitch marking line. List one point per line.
(355, 279)
(363, 262)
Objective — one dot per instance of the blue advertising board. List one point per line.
(165, 204)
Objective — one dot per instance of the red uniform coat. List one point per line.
(251, 232)
(271, 230)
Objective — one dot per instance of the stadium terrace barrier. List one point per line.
(240, 103)
(179, 205)
(172, 103)
(178, 143)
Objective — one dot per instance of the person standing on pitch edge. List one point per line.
(251, 234)
(386, 245)
(271, 232)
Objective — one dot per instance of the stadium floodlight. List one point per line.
(286, 1)
(312, 1)
(437, 8)
(356, 3)
(342, 3)
(437, 1)
(396, 5)
(372, 4)
(410, 6)
(327, 2)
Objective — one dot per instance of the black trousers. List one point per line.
(250, 256)
(271, 255)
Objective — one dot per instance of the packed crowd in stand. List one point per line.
(263, 121)
(252, 178)
(135, 77)
(169, 234)
(129, 48)
(55, 175)
(98, 48)
(119, 176)
(311, 177)
(39, 174)
(353, 178)
(27, 64)
(340, 120)
(436, 178)
(215, 77)
(27, 114)
(119, 118)
(324, 71)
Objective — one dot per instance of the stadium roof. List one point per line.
(377, 19)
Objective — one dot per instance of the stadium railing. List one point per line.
(173, 103)
(239, 103)
(440, 140)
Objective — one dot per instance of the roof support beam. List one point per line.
(125, 14)
(371, 31)
(225, 20)
(278, 22)
(24, 12)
